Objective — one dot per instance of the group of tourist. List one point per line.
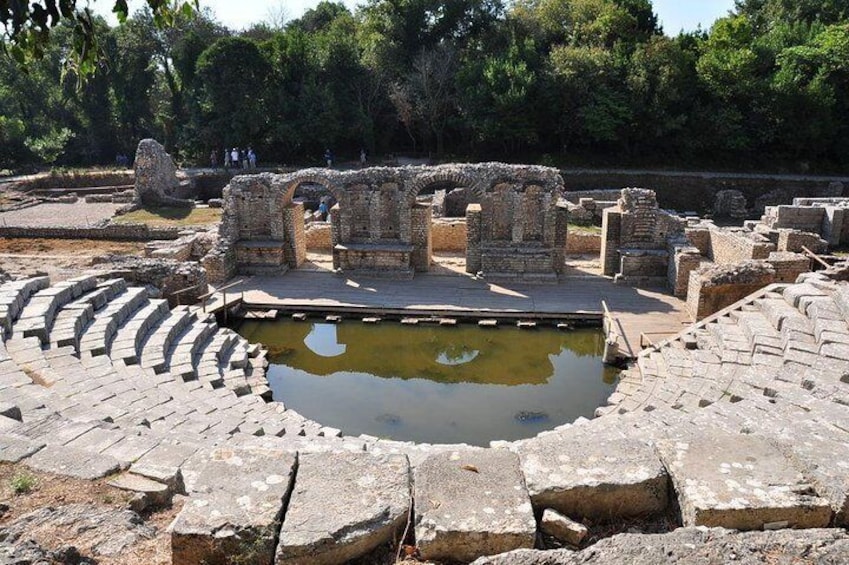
(235, 158)
(328, 158)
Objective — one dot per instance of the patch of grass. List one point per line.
(171, 217)
(22, 483)
(584, 229)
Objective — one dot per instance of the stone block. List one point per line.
(564, 529)
(471, 503)
(236, 508)
(72, 462)
(344, 505)
(739, 482)
(592, 474)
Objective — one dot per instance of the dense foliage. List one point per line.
(550, 81)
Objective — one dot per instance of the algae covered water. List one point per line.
(434, 384)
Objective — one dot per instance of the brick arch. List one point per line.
(327, 179)
(425, 179)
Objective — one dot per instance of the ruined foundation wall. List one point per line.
(448, 235)
(716, 287)
(317, 237)
(728, 247)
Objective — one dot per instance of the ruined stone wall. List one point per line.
(317, 237)
(683, 260)
(293, 227)
(794, 240)
(635, 236)
(581, 243)
(422, 244)
(731, 246)
(718, 286)
(125, 232)
(261, 231)
(448, 235)
(696, 191)
(456, 201)
(473, 231)
(156, 181)
(166, 275)
(611, 239)
(699, 237)
(802, 218)
(575, 196)
(788, 266)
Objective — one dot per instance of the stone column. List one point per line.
(335, 234)
(422, 248)
(611, 237)
(295, 244)
(473, 238)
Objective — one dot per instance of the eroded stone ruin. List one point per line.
(515, 228)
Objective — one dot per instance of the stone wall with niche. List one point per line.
(379, 227)
(636, 236)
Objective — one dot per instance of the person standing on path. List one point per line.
(234, 157)
(328, 157)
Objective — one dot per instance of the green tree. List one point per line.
(232, 76)
(27, 27)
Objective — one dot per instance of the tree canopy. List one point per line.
(549, 81)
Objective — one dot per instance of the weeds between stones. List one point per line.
(22, 483)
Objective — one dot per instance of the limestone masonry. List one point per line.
(739, 422)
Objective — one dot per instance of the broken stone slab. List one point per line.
(235, 509)
(561, 527)
(11, 411)
(162, 463)
(594, 472)
(739, 482)
(95, 531)
(689, 546)
(72, 462)
(149, 493)
(471, 503)
(14, 448)
(344, 505)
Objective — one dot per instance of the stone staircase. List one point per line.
(740, 421)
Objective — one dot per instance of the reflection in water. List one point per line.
(453, 356)
(322, 341)
(434, 384)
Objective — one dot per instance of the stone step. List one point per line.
(75, 316)
(729, 336)
(758, 330)
(739, 482)
(98, 336)
(367, 513)
(694, 545)
(13, 297)
(220, 521)
(130, 336)
(158, 344)
(594, 471)
(36, 319)
(471, 503)
(239, 356)
(183, 356)
(190, 344)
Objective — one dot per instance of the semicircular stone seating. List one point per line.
(740, 421)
